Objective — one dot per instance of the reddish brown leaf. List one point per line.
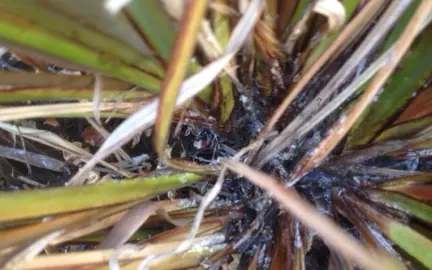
(418, 186)
(287, 9)
(37, 63)
(419, 192)
(282, 249)
(418, 108)
(91, 136)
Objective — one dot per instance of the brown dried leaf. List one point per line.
(92, 136)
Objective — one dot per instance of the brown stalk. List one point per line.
(13, 237)
(323, 226)
(282, 247)
(358, 156)
(128, 224)
(266, 40)
(286, 10)
(88, 229)
(208, 226)
(177, 69)
(101, 257)
(112, 217)
(346, 121)
(40, 65)
(31, 232)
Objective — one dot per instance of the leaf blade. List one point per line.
(67, 199)
(18, 31)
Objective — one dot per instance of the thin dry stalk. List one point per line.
(339, 99)
(206, 37)
(392, 173)
(37, 111)
(384, 25)
(29, 233)
(30, 182)
(301, 209)
(99, 225)
(101, 257)
(345, 37)
(53, 140)
(111, 217)
(346, 121)
(358, 156)
(31, 251)
(177, 70)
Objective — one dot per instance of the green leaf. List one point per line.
(405, 237)
(154, 24)
(19, 31)
(48, 94)
(25, 86)
(403, 203)
(25, 234)
(75, 30)
(299, 11)
(401, 24)
(227, 99)
(415, 68)
(50, 201)
(94, 14)
(412, 242)
(404, 130)
(99, 236)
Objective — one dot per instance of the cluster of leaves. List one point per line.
(117, 116)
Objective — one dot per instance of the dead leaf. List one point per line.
(92, 136)
(51, 122)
